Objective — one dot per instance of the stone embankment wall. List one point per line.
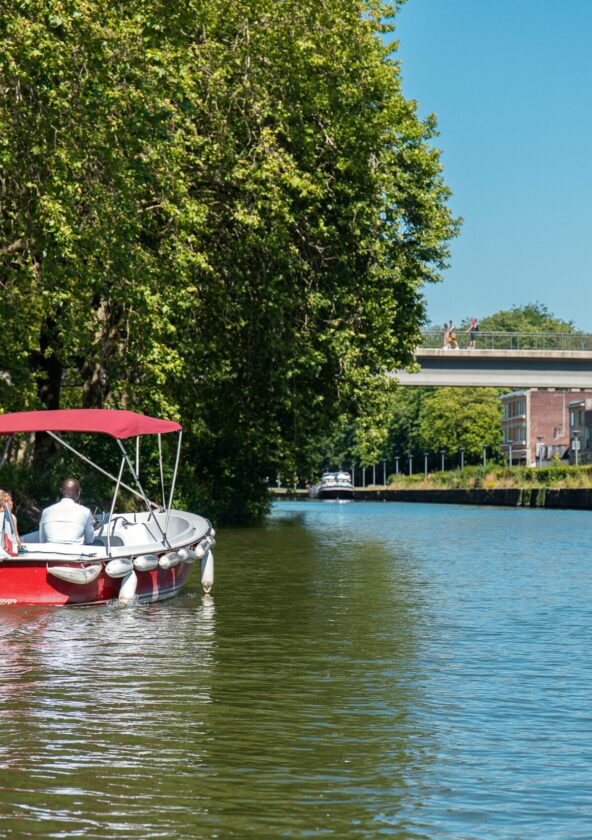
(542, 497)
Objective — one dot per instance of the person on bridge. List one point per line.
(473, 329)
(446, 337)
(452, 342)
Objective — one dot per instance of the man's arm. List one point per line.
(89, 531)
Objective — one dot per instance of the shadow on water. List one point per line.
(317, 678)
(282, 707)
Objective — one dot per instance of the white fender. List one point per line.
(168, 561)
(202, 549)
(146, 562)
(119, 568)
(76, 574)
(207, 572)
(187, 555)
(127, 590)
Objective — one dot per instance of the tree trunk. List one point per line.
(97, 368)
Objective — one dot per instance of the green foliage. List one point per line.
(471, 476)
(406, 408)
(495, 476)
(451, 418)
(220, 213)
(533, 317)
(552, 475)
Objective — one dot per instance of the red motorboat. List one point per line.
(136, 557)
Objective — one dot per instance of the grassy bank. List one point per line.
(492, 477)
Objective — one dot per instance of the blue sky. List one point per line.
(510, 82)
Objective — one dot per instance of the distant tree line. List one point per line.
(222, 213)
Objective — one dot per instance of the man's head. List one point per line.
(70, 489)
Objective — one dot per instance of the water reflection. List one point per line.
(322, 717)
(285, 705)
(362, 671)
(97, 714)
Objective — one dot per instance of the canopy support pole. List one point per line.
(113, 507)
(161, 470)
(146, 500)
(174, 481)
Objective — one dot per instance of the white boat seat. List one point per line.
(129, 533)
(115, 540)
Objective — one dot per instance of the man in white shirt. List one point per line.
(67, 521)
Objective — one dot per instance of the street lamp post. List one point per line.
(510, 459)
(484, 455)
(442, 453)
(410, 456)
(396, 465)
(374, 475)
(576, 446)
(425, 463)
(539, 452)
(384, 473)
(462, 457)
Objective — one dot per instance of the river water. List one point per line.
(363, 670)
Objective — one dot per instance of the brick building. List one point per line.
(536, 424)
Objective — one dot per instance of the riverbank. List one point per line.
(541, 497)
(558, 486)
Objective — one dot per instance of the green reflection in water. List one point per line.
(285, 706)
(324, 679)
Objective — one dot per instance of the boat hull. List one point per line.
(26, 582)
(333, 493)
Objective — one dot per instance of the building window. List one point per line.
(572, 419)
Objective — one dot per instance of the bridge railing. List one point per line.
(511, 340)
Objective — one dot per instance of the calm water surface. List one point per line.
(363, 670)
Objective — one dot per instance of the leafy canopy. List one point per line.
(220, 213)
(532, 317)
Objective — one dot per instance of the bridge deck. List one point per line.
(501, 368)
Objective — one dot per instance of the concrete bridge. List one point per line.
(505, 360)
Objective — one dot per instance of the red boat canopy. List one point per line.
(118, 424)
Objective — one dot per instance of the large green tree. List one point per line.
(467, 418)
(529, 318)
(220, 212)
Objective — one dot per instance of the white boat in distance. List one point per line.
(334, 485)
